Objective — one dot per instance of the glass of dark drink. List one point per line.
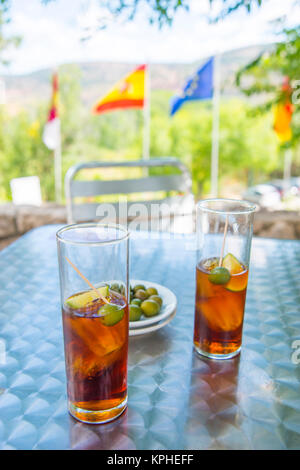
(224, 233)
(93, 265)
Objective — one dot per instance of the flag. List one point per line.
(282, 121)
(127, 93)
(51, 134)
(283, 112)
(198, 87)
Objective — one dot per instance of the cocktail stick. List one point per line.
(223, 244)
(87, 281)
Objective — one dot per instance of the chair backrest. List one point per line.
(87, 211)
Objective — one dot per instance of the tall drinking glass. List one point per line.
(93, 266)
(224, 233)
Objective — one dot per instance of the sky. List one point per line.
(52, 34)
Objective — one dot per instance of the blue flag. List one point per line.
(199, 87)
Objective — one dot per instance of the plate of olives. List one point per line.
(149, 304)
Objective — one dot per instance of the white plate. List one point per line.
(151, 328)
(168, 307)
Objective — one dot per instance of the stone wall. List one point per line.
(277, 224)
(17, 220)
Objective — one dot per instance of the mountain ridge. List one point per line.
(98, 77)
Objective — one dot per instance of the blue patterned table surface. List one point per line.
(176, 400)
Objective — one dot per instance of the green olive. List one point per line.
(151, 291)
(150, 308)
(141, 294)
(135, 312)
(136, 302)
(219, 275)
(115, 287)
(157, 299)
(111, 314)
(138, 287)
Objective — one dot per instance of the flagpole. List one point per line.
(58, 168)
(288, 156)
(215, 127)
(147, 118)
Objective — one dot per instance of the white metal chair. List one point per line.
(177, 205)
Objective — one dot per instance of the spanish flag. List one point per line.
(283, 112)
(127, 93)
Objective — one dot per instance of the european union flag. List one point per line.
(199, 87)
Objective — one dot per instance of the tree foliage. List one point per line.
(264, 76)
(230, 6)
(5, 41)
(163, 12)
